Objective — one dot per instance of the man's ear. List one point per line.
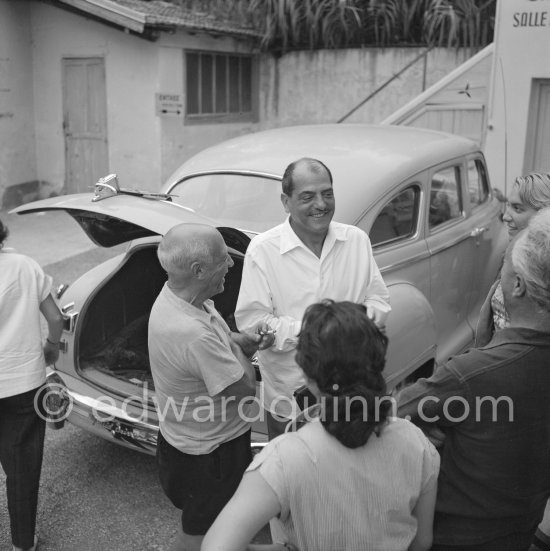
(284, 201)
(197, 270)
(520, 288)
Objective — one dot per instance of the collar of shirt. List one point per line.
(204, 314)
(289, 239)
(520, 335)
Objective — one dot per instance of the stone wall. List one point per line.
(323, 86)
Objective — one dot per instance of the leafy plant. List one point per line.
(299, 24)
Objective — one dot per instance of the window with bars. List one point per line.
(220, 87)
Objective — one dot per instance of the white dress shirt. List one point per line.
(282, 277)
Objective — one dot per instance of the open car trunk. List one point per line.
(111, 333)
(113, 328)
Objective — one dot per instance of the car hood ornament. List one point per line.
(106, 187)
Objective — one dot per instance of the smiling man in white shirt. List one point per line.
(306, 259)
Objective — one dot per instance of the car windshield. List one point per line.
(244, 201)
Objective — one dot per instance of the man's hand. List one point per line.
(247, 342)
(51, 352)
(379, 318)
(267, 336)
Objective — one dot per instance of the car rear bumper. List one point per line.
(111, 419)
(120, 421)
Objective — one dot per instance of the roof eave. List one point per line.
(111, 12)
(135, 21)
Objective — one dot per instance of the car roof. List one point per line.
(364, 159)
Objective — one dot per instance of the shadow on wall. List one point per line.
(18, 194)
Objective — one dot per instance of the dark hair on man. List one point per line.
(343, 352)
(313, 165)
(4, 232)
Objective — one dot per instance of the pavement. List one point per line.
(48, 237)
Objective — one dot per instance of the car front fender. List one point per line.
(412, 333)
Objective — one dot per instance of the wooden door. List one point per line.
(84, 123)
(537, 153)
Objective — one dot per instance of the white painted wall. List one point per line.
(144, 149)
(522, 53)
(17, 153)
(131, 69)
(180, 141)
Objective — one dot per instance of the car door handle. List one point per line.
(476, 232)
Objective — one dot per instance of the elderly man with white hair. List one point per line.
(492, 403)
(202, 377)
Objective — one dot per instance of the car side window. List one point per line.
(445, 198)
(397, 219)
(478, 186)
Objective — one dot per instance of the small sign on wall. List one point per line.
(169, 105)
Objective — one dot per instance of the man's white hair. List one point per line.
(531, 258)
(178, 255)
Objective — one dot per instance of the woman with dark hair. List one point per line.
(353, 477)
(24, 294)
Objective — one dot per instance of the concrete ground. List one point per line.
(57, 243)
(47, 237)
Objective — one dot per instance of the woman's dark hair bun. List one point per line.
(343, 351)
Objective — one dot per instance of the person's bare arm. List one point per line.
(54, 318)
(249, 510)
(424, 513)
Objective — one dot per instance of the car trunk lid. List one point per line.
(119, 218)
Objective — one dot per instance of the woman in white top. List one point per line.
(353, 478)
(24, 294)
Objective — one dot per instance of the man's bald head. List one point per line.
(186, 244)
(301, 167)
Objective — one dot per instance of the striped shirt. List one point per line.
(335, 498)
(501, 318)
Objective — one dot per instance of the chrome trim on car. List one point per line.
(106, 187)
(122, 428)
(110, 411)
(476, 232)
(67, 307)
(69, 321)
(420, 256)
(223, 171)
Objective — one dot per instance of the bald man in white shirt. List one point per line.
(302, 261)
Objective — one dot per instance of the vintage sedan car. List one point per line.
(423, 197)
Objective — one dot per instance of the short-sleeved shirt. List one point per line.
(192, 363)
(23, 287)
(337, 498)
